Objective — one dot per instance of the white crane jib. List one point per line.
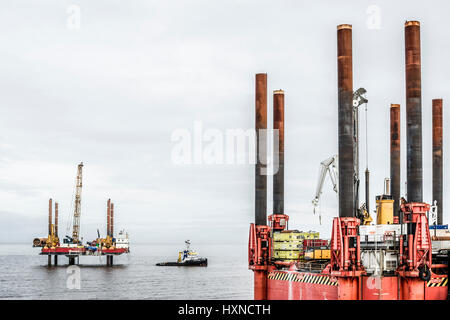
(327, 166)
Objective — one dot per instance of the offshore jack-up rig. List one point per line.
(400, 257)
(72, 246)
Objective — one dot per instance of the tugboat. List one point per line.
(187, 257)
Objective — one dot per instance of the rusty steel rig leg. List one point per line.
(395, 159)
(278, 220)
(415, 258)
(345, 262)
(437, 159)
(108, 218)
(56, 228)
(50, 216)
(261, 149)
(260, 264)
(346, 123)
(259, 235)
(413, 111)
(278, 176)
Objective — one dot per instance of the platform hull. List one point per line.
(294, 285)
(82, 251)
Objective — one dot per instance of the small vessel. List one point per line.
(187, 257)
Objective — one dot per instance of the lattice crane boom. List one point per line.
(327, 166)
(77, 205)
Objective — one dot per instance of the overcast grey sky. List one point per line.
(110, 87)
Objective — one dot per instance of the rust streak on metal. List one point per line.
(395, 156)
(345, 125)
(437, 159)
(278, 177)
(413, 112)
(261, 149)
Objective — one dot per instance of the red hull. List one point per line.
(114, 251)
(293, 285)
(80, 251)
(63, 250)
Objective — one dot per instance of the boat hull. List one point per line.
(82, 251)
(197, 263)
(294, 285)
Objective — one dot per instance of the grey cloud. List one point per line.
(111, 94)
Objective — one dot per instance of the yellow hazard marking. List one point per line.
(305, 278)
(437, 282)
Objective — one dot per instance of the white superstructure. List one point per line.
(122, 240)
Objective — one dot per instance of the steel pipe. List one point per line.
(413, 112)
(395, 158)
(261, 149)
(278, 177)
(346, 124)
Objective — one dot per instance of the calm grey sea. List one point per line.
(25, 275)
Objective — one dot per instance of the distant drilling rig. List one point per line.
(403, 254)
(72, 246)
